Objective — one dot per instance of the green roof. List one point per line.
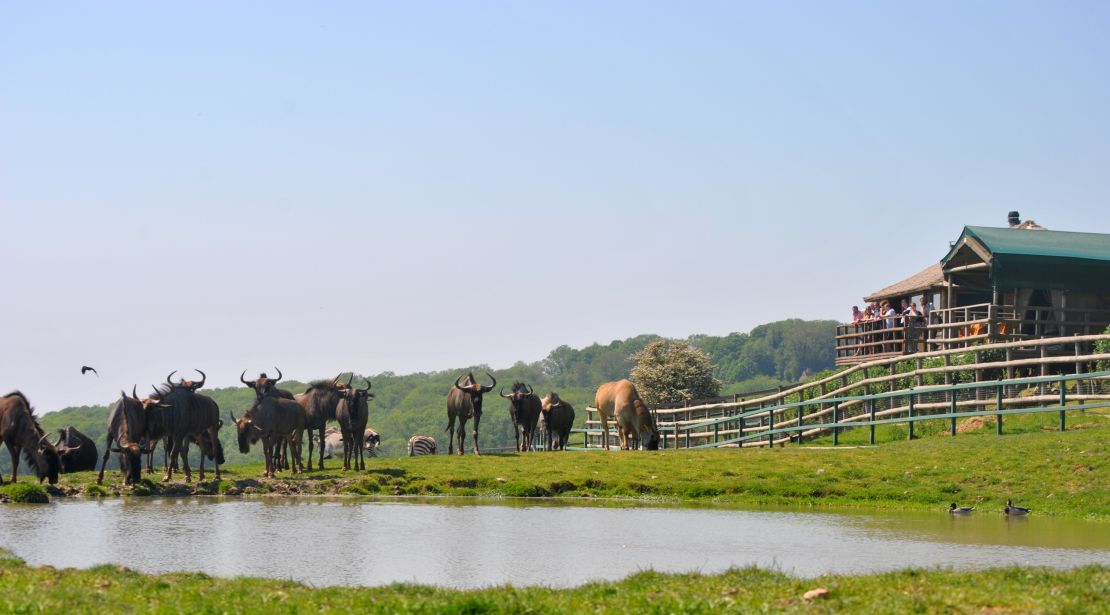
(1023, 258)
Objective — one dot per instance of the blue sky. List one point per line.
(416, 186)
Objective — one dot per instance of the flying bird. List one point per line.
(85, 369)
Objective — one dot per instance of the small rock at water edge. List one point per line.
(815, 594)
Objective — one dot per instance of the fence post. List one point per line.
(911, 416)
(953, 409)
(836, 419)
(716, 432)
(1063, 402)
(998, 417)
(801, 415)
(872, 437)
(770, 428)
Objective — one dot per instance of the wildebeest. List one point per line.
(319, 402)
(619, 401)
(127, 431)
(79, 451)
(352, 413)
(281, 452)
(272, 419)
(557, 418)
(21, 433)
(524, 410)
(373, 442)
(189, 416)
(464, 402)
(422, 445)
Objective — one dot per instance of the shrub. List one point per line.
(1103, 347)
(26, 493)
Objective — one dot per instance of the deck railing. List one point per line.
(960, 327)
(895, 390)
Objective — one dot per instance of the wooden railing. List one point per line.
(960, 327)
(798, 413)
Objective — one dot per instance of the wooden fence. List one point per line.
(894, 390)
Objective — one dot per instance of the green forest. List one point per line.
(405, 405)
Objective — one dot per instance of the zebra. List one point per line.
(422, 445)
(373, 442)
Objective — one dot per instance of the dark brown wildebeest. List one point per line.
(21, 432)
(127, 431)
(281, 452)
(189, 416)
(619, 401)
(463, 402)
(272, 419)
(320, 401)
(352, 412)
(76, 450)
(524, 410)
(557, 418)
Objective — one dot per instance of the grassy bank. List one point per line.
(1054, 473)
(117, 589)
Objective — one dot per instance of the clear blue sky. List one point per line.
(415, 186)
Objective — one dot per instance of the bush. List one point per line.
(25, 493)
(1103, 347)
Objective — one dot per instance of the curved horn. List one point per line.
(232, 415)
(156, 393)
(135, 392)
(459, 386)
(367, 389)
(203, 377)
(490, 387)
(244, 380)
(170, 382)
(530, 391)
(502, 394)
(350, 380)
(337, 377)
(44, 439)
(276, 380)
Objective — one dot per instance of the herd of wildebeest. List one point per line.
(176, 415)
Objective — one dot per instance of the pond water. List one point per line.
(467, 544)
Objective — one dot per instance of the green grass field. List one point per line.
(1054, 473)
(116, 589)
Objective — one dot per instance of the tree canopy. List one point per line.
(669, 371)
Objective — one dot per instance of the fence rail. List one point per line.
(876, 393)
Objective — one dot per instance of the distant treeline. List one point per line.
(772, 354)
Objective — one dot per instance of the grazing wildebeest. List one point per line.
(272, 419)
(524, 410)
(463, 402)
(190, 414)
(557, 417)
(373, 442)
(129, 434)
(319, 402)
(352, 413)
(21, 432)
(79, 451)
(619, 401)
(422, 445)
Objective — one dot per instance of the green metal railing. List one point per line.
(913, 405)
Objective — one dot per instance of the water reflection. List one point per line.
(460, 544)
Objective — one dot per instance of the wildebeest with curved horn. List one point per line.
(273, 419)
(127, 433)
(191, 417)
(281, 452)
(21, 432)
(352, 414)
(320, 401)
(524, 410)
(557, 418)
(464, 402)
(620, 401)
(76, 450)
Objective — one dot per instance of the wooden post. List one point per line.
(998, 417)
(911, 416)
(716, 432)
(770, 428)
(871, 439)
(1063, 402)
(952, 410)
(1044, 368)
(801, 415)
(836, 419)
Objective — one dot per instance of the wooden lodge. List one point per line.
(994, 285)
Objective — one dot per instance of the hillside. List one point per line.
(410, 404)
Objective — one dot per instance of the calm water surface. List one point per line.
(331, 542)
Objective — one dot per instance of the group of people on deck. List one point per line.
(882, 315)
